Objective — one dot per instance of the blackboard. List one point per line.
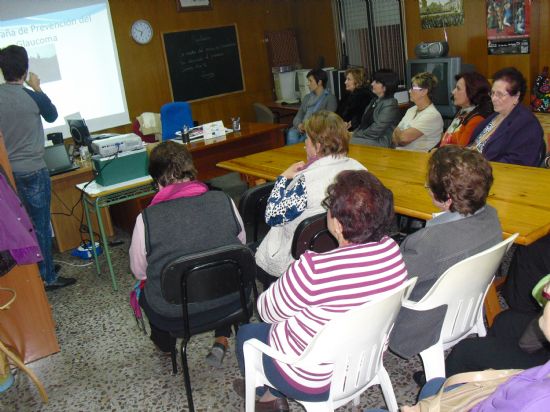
(203, 63)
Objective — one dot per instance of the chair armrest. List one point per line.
(269, 351)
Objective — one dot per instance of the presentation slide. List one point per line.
(72, 49)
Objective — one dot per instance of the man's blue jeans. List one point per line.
(34, 190)
(294, 136)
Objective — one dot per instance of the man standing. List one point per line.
(20, 111)
(318, 99)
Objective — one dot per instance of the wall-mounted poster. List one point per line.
(508, 26)
(441, 13)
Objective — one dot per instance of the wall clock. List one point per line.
(141, 31)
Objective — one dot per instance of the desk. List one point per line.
(520, 194)
(99, 197)
(284, 112)
(65, 195)
(252, 138)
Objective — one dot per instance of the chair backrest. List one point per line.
(264, 113)
(252, 210)
(355, 342)
(173, 117)
(463, 288)
(209, 275)
(312, 234)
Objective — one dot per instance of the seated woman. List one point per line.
(458, 183)
(512, 134)
(319, 286)
(382, 115)
(528, 266)
(299, 190)
(471, 95)
(164, 232)
(351, 107)
(421, 127)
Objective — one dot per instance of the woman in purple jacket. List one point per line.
(512, 134)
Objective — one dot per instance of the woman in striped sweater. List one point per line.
(321, 286)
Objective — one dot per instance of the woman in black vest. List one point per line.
(184, 217)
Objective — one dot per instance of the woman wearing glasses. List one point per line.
(471, 96)
(512, 134)
(421, 127)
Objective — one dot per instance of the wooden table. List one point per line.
(284, 112)
(520, 194)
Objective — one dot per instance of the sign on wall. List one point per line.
(508, 26)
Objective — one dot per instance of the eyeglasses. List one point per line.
(416, 88)
(498, 95)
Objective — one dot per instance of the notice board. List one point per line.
(203, 63)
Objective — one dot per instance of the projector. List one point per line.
(429, 50)
(117, 144)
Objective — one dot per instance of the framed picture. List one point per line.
(193, 5)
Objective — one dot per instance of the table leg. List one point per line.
(105, 244)
(91, 233)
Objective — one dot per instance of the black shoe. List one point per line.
(61, 282)
(276, 405)
(420, 378)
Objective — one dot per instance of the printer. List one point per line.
(116, 144)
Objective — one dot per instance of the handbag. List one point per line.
(540, 98)
(508, 390)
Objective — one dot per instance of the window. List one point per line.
(370, 35)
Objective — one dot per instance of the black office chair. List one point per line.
(312, 234)
(252, 210)
(203, 277)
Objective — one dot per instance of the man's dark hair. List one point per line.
(319, 75)
(14, 62)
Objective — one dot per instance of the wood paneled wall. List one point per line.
(144, 70)
(470, 40)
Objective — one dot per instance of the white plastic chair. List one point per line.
(462, 288)
(354, 342)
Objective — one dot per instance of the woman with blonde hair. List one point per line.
(299, 190)
(421, 127)
(358, 97)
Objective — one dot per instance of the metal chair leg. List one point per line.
(186, 377)
(174, 360)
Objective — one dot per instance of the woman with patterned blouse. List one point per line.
(299, 190)
(512, 134)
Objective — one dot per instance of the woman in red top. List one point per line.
(471, 95)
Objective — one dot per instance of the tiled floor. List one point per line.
(106, 363)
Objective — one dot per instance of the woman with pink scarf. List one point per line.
(183, 218)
